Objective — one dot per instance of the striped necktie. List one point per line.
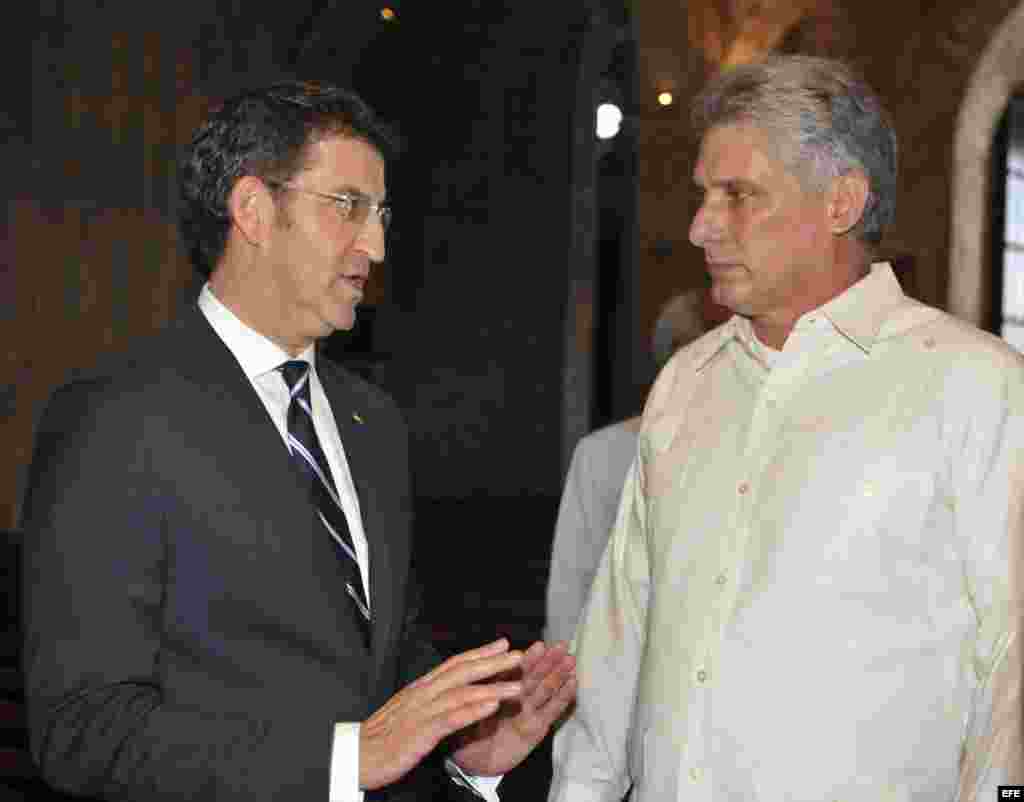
(309, 457)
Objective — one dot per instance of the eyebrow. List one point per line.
(724, 183)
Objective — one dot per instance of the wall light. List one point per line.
(609, 120)
(665, 98)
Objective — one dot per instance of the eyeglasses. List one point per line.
(353, 207)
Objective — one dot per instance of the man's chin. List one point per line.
(729, 296)
(340, 319)
(339, 325)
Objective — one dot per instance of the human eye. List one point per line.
(739, 194)
(346, 205)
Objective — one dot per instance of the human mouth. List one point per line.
(357, 282)
(717, 267)
(354, 283)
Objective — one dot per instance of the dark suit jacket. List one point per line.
(187, 633)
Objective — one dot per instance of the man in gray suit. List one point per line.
(596, 475)
(217, 525)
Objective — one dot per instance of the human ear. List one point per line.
(847, 199)
(251, 208)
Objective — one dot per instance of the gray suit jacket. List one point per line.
(187, 632)
(586, 515)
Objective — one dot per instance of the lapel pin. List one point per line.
(356, 418)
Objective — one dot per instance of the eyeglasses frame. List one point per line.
(348, 202)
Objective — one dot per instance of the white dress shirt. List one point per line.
(260, 358)
(806, 595)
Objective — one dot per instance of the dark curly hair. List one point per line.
(263, 133)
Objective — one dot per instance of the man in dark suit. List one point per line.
(216, 529)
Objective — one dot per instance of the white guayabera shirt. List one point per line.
(806, 594)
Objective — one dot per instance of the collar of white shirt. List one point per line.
(255, 353)
(857, 313)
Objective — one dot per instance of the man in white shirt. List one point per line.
(217, 525)
(807, 594)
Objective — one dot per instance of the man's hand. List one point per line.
(500, 742)
(413, 721)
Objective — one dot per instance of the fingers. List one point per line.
(532, 656)
(540, 661)
(460, 707)
(555, 705)
(482, 658)
(549, 684)
(491, 649)
(449, 698)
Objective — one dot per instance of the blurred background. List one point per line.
(542, 209)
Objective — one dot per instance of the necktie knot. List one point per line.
(295, 373)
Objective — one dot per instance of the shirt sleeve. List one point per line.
(485, 788)
(988, 483)
(590, 748)
(344, 785)
(345, 763)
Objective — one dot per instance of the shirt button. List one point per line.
(696, 775)
(929, 342)
(702, 675)
(720, 579)
(743, 488)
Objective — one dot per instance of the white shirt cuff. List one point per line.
(487, 787)
(344, 785)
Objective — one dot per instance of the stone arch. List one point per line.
(998, 71)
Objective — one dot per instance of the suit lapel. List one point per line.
(263, 458)
(356, 429)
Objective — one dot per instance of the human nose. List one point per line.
(706, 225)
(372, 239)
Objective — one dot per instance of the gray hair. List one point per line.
(824, 119)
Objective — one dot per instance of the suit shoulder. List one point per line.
(121, 387)
(615, 437)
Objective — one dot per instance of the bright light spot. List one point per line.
(387, 14)
(609, 118)
(665, 98)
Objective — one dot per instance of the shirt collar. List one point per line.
(255, 353)
(857, 313)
